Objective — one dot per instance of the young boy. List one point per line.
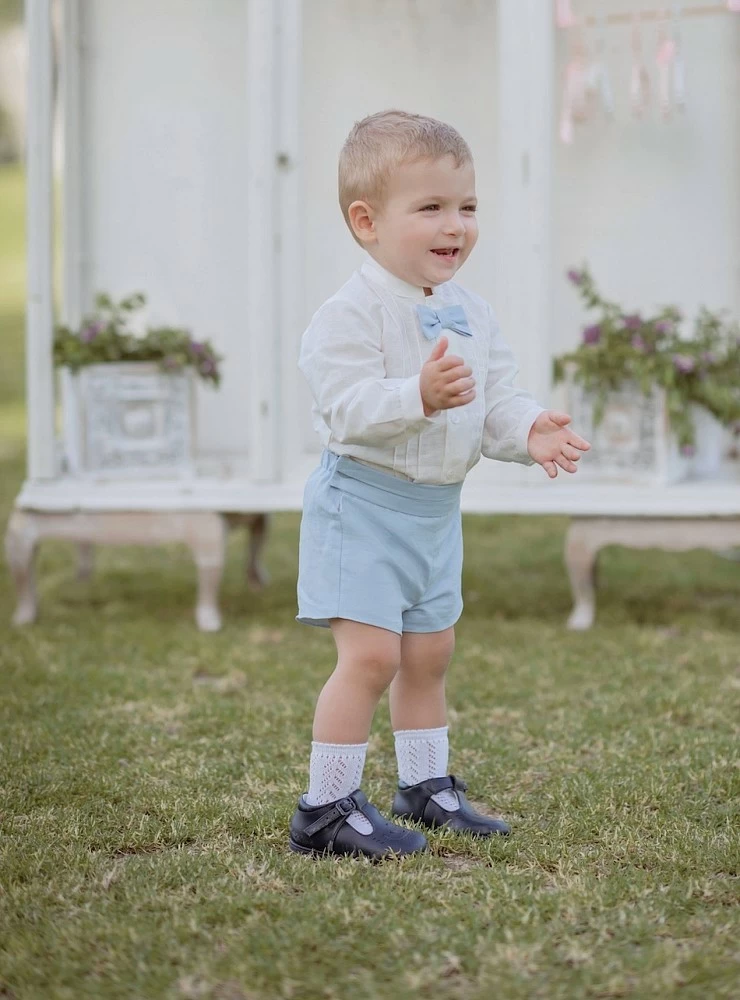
(412, 382)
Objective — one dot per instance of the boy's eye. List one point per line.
(469, 208)
(428, 208)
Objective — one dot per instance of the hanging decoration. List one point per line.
(575, 92)
(639, 76)
(599, 81)
(587, 82)
(563, 14)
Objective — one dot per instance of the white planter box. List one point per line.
(128, 419)
(712, 441)
(633, 443)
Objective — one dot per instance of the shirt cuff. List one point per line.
(522, 435)
(412, 405)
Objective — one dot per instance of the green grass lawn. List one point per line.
(149, 773)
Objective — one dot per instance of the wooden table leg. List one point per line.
(206, 536)
(203, 531)
(587, 535)
(581, 554)
(21, 541)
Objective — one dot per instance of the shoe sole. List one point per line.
(316, 853)
(446, 826)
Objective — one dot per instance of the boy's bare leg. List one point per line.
(419, 710)
(367, 661)
(417, 694)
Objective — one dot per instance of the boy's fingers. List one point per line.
(450, 361)
(462, 398)
(551, 469)
(579, 442)
(561, 419)
(566, 465)
(460, 386)
(572, 453)
(439, 348)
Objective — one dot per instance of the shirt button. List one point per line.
(454, 418)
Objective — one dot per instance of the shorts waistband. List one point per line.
(385, 490)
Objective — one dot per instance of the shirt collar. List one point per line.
(372, 270)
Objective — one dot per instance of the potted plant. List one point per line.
(655, 404)
(128, 397)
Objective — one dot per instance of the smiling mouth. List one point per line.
(447, 253)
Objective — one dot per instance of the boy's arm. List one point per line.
(345, 368)
(510, 412)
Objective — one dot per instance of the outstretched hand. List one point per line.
(552, 443)
(445, 380)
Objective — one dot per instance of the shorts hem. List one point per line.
(322, 620)
(436, 628)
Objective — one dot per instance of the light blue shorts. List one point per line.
(378, 549)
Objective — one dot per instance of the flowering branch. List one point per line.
(105, 337)
(649, 351)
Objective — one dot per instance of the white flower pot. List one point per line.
(633, 443)
(127, 419)
(711, 441)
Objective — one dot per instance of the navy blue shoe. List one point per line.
(416, 802)
(321, 830)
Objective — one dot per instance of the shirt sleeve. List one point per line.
(342, 360)
(510, 412)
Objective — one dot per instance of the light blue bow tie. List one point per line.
(433, 321)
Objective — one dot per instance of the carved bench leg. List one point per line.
(21, 541)
(85, 560)
(256, 574)
(580, 559)
(206, 536)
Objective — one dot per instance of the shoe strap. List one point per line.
(341, 809)
(434, 785)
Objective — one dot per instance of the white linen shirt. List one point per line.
(362, 355)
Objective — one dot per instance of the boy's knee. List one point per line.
(376, 668)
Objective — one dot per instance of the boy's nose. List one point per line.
(454, 225)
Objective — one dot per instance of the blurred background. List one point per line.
(149, 770)
(640, 185)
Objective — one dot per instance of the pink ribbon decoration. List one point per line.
(564, 17)
(639, 78)
(575, 95)
(666, 59)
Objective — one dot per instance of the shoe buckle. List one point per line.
(345, 806)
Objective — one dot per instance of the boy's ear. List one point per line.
(361, 218)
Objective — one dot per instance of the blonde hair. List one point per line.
(379, 144)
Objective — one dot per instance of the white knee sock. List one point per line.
(336, 771)
(422, 754)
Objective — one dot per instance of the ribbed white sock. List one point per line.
(422, 754)
(336, 771)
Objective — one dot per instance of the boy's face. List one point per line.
(426, 227)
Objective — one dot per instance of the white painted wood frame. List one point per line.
(40, 310)
(261, 280)
(525, 65)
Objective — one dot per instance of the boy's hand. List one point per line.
(445, 381)
(551, 443)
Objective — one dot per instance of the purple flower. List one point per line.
(639, 344)
(688, 450)
(577, 277)
(592, 334)
(196, 347)
(663, 326)
(90, 332)
(684, 363)
(709, 358)
(207, 367)
(633, 321)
